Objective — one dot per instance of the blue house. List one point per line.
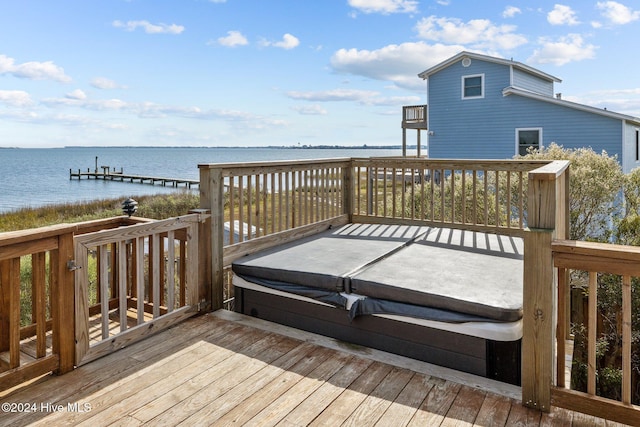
(482, 107)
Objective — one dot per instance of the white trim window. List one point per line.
(473, 86)
(528, 138)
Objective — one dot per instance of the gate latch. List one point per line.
(72, 266)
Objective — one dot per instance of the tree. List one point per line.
(595, 189)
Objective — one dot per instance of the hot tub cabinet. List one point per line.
(448, 297)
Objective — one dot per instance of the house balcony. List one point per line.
(414, 117)
(149, 337)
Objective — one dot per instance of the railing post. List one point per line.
(547, 200)
(539, 320)
(348, 189)
(204, 255)
(63, 304)
(212, 198)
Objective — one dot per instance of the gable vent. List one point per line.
(466, 62)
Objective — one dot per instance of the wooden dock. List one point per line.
(107, 174)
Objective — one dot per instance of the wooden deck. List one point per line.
(227, 369)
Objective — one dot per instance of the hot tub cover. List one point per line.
(468, 272)
(327, 260)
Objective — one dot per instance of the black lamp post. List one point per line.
(129, 206)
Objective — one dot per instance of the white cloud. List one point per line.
(104, 83)
(566, 49)
(510, 11)
(617, 13)
(15, 98)
(562, 15)
(233, 39)
(310, 110)
(478, 33)
(288, 42)
(399, 64)
(33, 70)
(149, 28)
(334, 95)
(363, 97)
(384, 6)
(76, 94)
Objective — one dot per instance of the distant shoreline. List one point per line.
(277, 147)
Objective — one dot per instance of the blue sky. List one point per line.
(281, 72)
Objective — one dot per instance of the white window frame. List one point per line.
(517, 137)
(481, 86)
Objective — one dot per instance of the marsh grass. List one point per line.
(155, 206)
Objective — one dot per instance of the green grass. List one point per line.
(156, 207)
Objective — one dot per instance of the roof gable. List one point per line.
(464, 54)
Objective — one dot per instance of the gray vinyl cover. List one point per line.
(464, 271)
(326, 260)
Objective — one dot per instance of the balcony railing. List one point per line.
(414, 117)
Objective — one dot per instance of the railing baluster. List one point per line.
(122, 284)
(38, 311)
(626, 339)
(265, 198)
(13, 284)
(171, 274)
(508, 224)
(104, 289)
(140, 261)
(241, 209)
(249, 209)
(155, 268)
(593, 322)
(560, 330)
(232, 211)
(274, 219)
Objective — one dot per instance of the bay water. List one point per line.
(37, 177)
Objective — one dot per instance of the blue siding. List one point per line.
(524, 80)
(485, 128)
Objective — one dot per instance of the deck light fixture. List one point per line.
(129, 206)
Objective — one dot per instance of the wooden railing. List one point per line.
(133, 281)
(258, 205)
(36, 287)
(593, 263)
(53, 317)
(414, 117)
(474, 195)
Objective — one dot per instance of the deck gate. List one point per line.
(133, 281)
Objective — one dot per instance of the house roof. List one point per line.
(522, 92)
(582, 107)
(425, 74)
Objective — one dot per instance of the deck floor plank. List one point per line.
(214, 381)
(375, 405)
(218, 408)
(494, 411)
(344, 405)
(180, 386)
(132, 383)
(435, 407)
(465, 407)
(251, 406)
(404, 407)
(316, 403)
(214, 370)
(274, 412)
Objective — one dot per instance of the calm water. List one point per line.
(38, 177)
